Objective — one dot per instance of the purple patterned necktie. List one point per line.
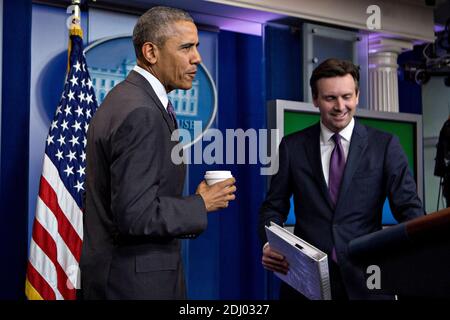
(172, 115)
(337, 165)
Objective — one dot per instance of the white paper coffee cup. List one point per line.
(213, 177)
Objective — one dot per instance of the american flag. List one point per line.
(55, 247)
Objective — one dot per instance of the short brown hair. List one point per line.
(333, 68)
(154, 26)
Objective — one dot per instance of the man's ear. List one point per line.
(357, 97)
(315, 102)
(150, 52)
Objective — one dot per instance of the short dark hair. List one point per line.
(333, 68)
(155, 26)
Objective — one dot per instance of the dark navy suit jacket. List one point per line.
(376, 168)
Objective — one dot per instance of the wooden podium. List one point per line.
(413, 257)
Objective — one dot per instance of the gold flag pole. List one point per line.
(74, 25)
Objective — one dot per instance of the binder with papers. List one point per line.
(308, 266)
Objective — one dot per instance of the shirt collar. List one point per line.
(155, 83)
(346, 133)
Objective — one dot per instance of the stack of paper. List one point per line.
(308, 266)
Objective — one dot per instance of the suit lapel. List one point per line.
(315, 161)
(357, 146)
(141, 82)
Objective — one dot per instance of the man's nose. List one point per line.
(196, 58)
(340, 104)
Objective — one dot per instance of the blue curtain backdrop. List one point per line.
(283, 62)
(283, 80)
(224, 262)
(14, 147)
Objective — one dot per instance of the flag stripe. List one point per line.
(35, 280)
(65, 229)
(44, 240)
(65, 200)
(65, 257)
(45, 267)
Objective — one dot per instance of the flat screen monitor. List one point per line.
(292, 116)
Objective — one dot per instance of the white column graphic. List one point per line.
(383, 81)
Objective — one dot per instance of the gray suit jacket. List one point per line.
(376, 168)
(134, 209)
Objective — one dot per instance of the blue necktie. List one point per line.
(172, 114)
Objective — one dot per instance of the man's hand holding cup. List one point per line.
(217, 189)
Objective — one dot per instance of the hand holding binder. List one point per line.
(308, 266)
(273, 260)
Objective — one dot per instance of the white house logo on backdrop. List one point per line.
(111, 59)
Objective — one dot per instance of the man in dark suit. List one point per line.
(134, 209)
(340, 173)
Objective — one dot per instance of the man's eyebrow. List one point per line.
(333, 95)
(189, 44)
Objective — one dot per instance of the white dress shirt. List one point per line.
(156, 85)
(327, 145)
